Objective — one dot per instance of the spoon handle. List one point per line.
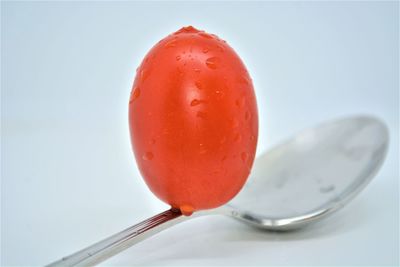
(116, 243)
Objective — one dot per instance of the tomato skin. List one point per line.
(193, 121)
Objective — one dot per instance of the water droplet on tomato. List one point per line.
(220, 94)
(201, 114)
(144, 74)
(202, 149)
(244, 156)
(243, 80)
(237, 137)
(186, 210)
(212, 62)
(171, 43)
(135, 93)
(196, 70)
(148, 156)
(247, 115)
(198, 85)
(205, 35)
(205, 50)
(240, 102)
(178, 58)
(196, 102)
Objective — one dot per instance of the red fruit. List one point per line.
(193, 121)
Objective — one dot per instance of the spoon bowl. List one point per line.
(294, 184)
(313, 174)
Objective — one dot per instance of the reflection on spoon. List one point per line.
(292, 185)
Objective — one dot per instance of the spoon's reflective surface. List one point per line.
(294, 184)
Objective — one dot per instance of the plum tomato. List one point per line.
(193, 120)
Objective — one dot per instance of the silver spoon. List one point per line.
(292, 185)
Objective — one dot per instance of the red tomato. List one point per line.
(193, 120)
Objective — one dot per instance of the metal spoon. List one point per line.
(294, 184)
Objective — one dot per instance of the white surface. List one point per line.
(68, 177)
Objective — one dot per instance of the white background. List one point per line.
(68, 177)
